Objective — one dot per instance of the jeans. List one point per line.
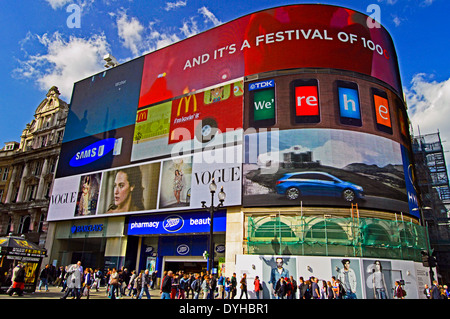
(380, 293)
(350, 295)
(144, 289)
(44, 282)
(165, 295)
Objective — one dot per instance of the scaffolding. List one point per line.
(354, 236)
(433, 182)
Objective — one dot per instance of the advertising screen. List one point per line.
(262, 100)
(174, 184)
(382, 113)
(349, 107)
(330, 167)
(305, 101)
(209, 118)
(297, 36)
(104, 102)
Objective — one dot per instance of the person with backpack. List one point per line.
(18, 280)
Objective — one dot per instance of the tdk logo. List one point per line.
(173, 223)
(93, 152)
(261, 85)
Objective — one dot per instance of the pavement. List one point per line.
(55, 293)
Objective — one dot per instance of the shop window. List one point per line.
(326, 230)
(274, 229)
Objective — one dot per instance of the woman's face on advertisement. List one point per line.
(122, 189)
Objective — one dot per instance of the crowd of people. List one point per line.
(76, 282)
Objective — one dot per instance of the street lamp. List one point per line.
(212, 209)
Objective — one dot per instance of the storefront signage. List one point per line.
(183, 249)
(86, 228)
(195, 222)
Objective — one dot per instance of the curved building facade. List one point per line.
(296, 111)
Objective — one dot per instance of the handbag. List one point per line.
(114, 281)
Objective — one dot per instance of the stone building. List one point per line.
(27, 170)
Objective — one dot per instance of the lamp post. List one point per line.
(212, 209)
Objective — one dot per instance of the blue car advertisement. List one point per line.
(324, 167)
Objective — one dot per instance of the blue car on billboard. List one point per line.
(294, 185)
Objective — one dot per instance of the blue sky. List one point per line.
(39, 49)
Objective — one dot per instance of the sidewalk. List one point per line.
(55, 293)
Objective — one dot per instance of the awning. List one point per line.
(20, 246)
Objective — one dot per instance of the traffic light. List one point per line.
(427, 260)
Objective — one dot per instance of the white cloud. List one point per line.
(397, 21)
(64, 61)
(56, 4)
(130, 32)
(209, 16)
(175, 5)
(159, 39)
(189, 28)
(429, 107)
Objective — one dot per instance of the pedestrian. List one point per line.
(44, 276)
(427, 291)
(154, 278)
(138, 285)
(280, 288)
(60, 276)
(233, 288)
(330, 291)
(323, 290)
(227, 287)
(166, 285)
(244, 286)
(294, 287)
(175, 286)
(220, 285)
(196, 286)
(341, 290)
(184, 283)
(145, 284)
(257, 285)
(113, 283)
(302, 287)
(435, 293)
(315, 288)
(399, 293)
(131, 289)
(74, 276)
(18, 280)
(87, 282)
(205, 287)
(213, 286)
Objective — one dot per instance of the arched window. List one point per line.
(326, 229)
(274, 229)
(375, 234)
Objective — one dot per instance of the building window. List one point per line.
(8, 230)
(48, 190)
(5, 174)
(31, 192)
(24, 226)
(37, 168)
(41, 223)
(1, 195)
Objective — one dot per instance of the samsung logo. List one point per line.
(93, 152)
(173, 223)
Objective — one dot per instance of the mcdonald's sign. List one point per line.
(142, 116)
(187, 102)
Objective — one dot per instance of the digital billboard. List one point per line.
(174, 184)
(209, 118)
(325, 167)
(296, 36)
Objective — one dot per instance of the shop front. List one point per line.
(177, 241)
(97, 243)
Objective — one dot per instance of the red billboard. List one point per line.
(297, 36)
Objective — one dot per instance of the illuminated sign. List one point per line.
(194, 222)
(305, 101)
(86, 228)
(382, 113)
(94, 152)
(349, 106)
